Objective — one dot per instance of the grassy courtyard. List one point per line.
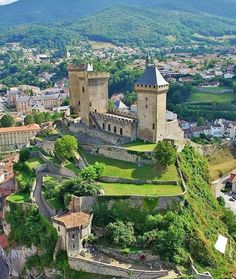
(34, 162)
(140, 190)
(140, 146)
(18, 198)
(132, 171)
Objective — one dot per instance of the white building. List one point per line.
(217, 130)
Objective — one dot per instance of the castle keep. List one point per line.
(89, 100)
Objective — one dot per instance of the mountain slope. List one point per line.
(157, 27)
(34, 11)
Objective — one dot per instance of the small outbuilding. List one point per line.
(73, 228)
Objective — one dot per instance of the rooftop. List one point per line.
(152, 76)
(73, 220)
(32, 127)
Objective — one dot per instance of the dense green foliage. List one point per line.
(177, 232)
(29, 228)
(120, 233)
(66, 147)
(155, 23)
(165, 153)
(7, 121)
(24, 155)
(92, 172)
(57, 191)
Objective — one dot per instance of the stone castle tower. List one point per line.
(88, 91)
(151, 91)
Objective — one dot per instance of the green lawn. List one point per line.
(140, 190)
(130, 170)
(200, 97)
(24, 180)
(18, 198)
(139, 145)
(34, 162)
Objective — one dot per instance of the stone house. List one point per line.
(73, 228)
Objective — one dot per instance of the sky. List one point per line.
(4, 2)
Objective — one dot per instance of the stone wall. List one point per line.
(115, 179)
(86, 204)
(92, 135)
(79, 263)
(175, 133)
(117, 124)
(198, 275)
(52, 167)
(119, 153)
(210, 149)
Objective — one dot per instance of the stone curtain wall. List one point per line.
(174, 132)
(86, 204)
(115, 179)
(79, 263)
(119, 153)
(93, 135)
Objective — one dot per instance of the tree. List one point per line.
(7, 121)
(29, 120)
(92, 172)
(165, 153)
(39, 117)
(24, 154)
(66, 147)
(77, 186)
(200, 122)
(121, 233)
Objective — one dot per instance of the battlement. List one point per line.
(80, 68)
(132, 115)
(97, 75)
(87, 69)
(121, 120)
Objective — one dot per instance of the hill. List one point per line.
(157, 27)
(34, 11)
(125, 25)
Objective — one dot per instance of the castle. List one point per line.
(89, 100)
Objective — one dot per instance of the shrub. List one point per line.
(165, 153)
(121, 233)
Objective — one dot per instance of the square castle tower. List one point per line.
(89, 99)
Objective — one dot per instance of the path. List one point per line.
(37, 195)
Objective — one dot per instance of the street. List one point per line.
(218, 186)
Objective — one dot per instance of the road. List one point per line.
(218, 186)
(38, 197)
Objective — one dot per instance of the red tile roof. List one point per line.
(32, 127)
(3, 241)
(73, 220)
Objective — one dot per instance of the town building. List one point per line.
(28, 104)
(18, 136)
(73, 228)
(89, 100)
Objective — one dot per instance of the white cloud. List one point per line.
(5, 2)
